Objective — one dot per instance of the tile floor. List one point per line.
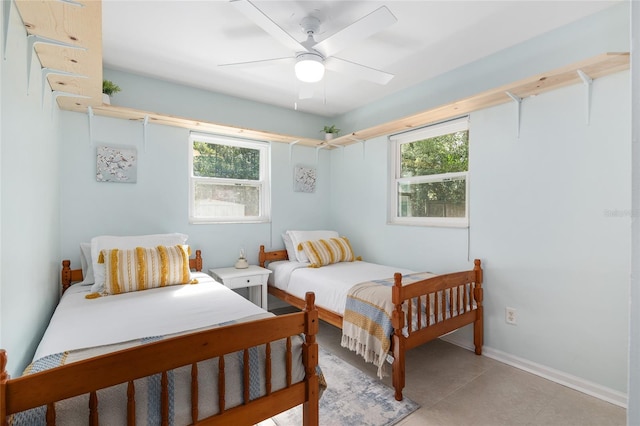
(455, 387)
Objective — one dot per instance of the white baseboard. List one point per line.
(568, 380)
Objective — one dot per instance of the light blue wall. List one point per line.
(549, 216)
(633, 416)
(555, 207)
(158, 202)
(607, 31)
(160, 96)
(29, 196)
(539, 204)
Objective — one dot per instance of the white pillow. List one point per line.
(288, 244)
(87, 265)
(126, 242)
(298, 237)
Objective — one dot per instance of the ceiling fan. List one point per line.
(311, 57)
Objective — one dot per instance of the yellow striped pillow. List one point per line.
(327, 251)
(144, 268)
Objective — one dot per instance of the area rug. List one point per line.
(352, 398)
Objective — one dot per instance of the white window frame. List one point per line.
(264, 182)
(396, 141)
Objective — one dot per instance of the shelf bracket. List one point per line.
(90, 115)
(57, 93)
(46, 71)
(32, 40)
(339, 146)
(318, 148)
(363, 146)
(588, 84)
(72, 3)
(144, 132)
(291, 149)
(6, 14)
(518, 101)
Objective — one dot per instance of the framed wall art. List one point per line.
(116, 164)
(304, 179)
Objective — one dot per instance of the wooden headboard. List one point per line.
(69, 276)
(271, 256)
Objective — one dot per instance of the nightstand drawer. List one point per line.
(254, 278)
(249, 281)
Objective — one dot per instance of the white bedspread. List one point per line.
(80, 323)
(330, 283)
(81, 328)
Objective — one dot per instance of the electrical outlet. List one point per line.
(510, 316)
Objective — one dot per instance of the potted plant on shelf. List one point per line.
(109, 88)
(330, 132)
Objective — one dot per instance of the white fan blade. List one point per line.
(365, 27)
(357, 71)
(261, 62)
(249, 10)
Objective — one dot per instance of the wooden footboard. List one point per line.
(461, 305)
(88, 376)
(432, 308)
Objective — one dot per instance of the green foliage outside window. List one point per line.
(224, 161)
(437, 155)
(221, 197)
(434, 156)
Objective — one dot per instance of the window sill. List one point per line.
(431, 223)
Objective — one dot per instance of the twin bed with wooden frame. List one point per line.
(188, 351)
(448, 301)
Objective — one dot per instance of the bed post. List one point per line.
(66, 275)
(198, 265)
(478, 324)
(398, 339)
(311, 408)
(261, 257)
(4, 376)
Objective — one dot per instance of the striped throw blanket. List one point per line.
(366, 325)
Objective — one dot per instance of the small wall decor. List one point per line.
(116, 164)
(304, 179)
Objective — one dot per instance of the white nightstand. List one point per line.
(253, 277)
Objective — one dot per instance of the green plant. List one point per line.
(331, 129)
(109, 87)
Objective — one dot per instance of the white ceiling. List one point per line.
(186, 41)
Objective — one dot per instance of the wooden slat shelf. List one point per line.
(595, 67)
(82, 26)
(73, 104)
(77, 25)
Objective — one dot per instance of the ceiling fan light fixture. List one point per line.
(309, 67)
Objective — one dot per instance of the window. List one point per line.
(429, 175)
(229, 180)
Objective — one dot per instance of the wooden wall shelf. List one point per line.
(124, 113)
(595, 67)
(81, 26)
(67, 37)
